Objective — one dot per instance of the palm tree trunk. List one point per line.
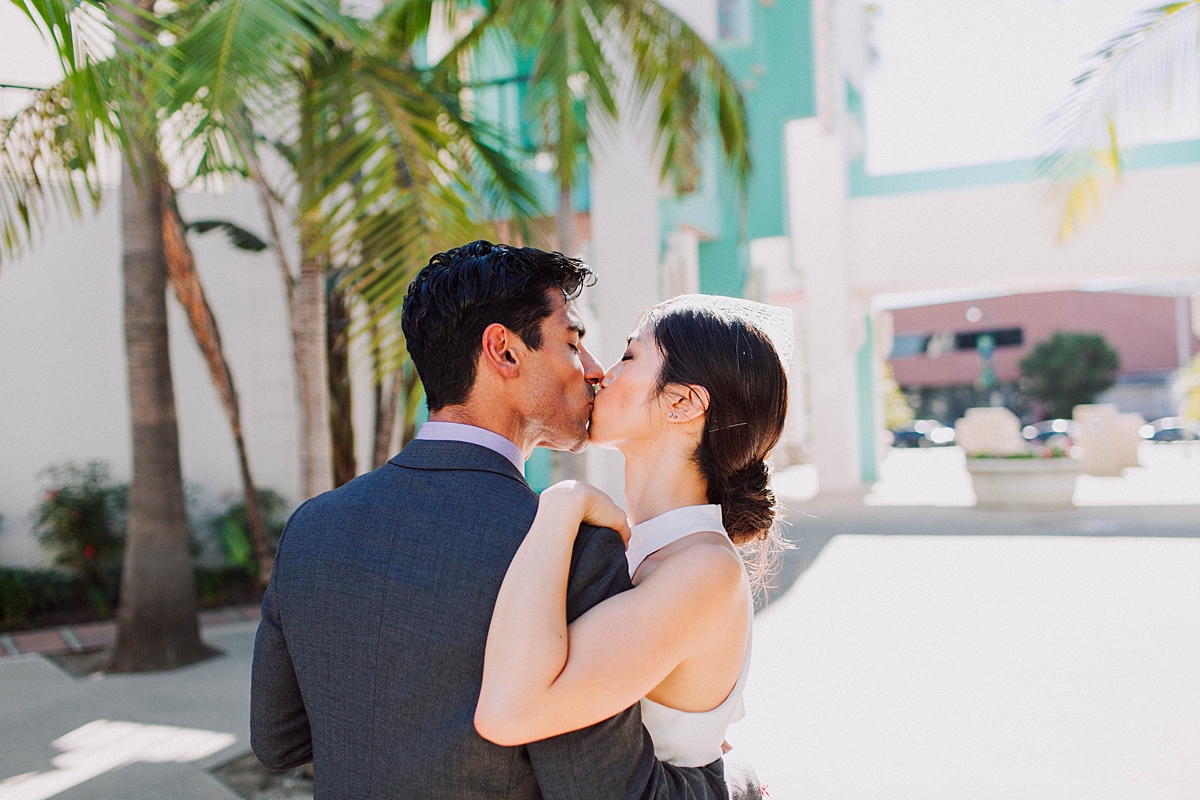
(156, 619)
(341, 418)
(387, 403)
(412, 392)
(185, 280)
(156, 616)
(308, 339)
(564, 465)
(309, 332)
(565, 222)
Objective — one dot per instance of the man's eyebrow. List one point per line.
(577, 327)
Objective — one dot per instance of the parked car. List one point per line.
(1057, 434)
(1171, 429)
(922, 433)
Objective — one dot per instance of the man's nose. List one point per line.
(593, 373)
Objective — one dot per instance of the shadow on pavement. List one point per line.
(809, 526)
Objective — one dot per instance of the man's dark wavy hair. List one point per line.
(460, 292)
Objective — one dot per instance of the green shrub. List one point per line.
(223, 585)
(232, 530)
(81, 521)
(25, 593)
(1069, 369)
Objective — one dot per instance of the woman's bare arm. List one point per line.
(541, 677)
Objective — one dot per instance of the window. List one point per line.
(1005, 337)
(733, 21)
(908, 345)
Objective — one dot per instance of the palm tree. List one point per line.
(385, 164)
(580, 49)
(1139, 71)
(156, 617)
(52, 159)
(185, 281)
(388, 168)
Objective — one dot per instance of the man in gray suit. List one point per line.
(369, 657)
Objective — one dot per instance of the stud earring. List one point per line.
(671, 415)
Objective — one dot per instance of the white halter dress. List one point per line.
(685, 738)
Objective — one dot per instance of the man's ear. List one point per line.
(503, 351)
(686, 402)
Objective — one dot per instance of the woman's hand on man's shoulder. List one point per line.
(576, 501)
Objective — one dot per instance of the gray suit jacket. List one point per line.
(369, 657)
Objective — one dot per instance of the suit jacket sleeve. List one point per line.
(614, 758)
(279, 730)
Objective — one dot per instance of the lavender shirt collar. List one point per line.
(458, 432)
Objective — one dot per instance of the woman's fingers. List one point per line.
(601, 511)
(593, 506)
(623, 529)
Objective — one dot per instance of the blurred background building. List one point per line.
(935, 356)
(865, 259)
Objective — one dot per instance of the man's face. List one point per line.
(557, 394)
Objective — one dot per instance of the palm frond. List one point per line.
(241, 59)
(392, 170)
(1140, 71)
(679, 74)
(574, 46)
(238, 237)
(47, 162)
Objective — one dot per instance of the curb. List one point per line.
(87, 637)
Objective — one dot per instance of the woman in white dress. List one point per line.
(696, 404)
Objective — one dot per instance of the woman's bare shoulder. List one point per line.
(704, 561)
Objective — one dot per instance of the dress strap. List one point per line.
(656, 533)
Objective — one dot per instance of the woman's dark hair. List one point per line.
(747, 404)
(461, 291)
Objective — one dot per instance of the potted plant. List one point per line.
(1006, 471)
(1042, 478)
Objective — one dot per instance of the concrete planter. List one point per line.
(1024, 482)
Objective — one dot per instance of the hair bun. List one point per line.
(747, 503)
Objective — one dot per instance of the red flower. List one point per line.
(89, 552)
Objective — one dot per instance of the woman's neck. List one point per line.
(660, 478)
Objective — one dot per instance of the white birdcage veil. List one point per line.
(774, 322)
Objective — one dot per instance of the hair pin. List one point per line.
(723, 427)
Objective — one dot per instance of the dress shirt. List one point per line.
(460, 432)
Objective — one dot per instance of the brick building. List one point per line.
(935, 360)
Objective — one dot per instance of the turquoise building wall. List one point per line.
(768, 48)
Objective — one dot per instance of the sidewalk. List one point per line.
(99, 635)
(133, 737)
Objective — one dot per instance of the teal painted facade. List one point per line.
(1167, 154)
(539, 469)
(865, 368)
(498, 94)
(767, 46)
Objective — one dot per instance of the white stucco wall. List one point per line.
(1005, 236)
(63, 390)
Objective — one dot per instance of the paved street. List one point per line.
(916, 652)
(907, 652)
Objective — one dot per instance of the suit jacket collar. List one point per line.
(440, 454)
